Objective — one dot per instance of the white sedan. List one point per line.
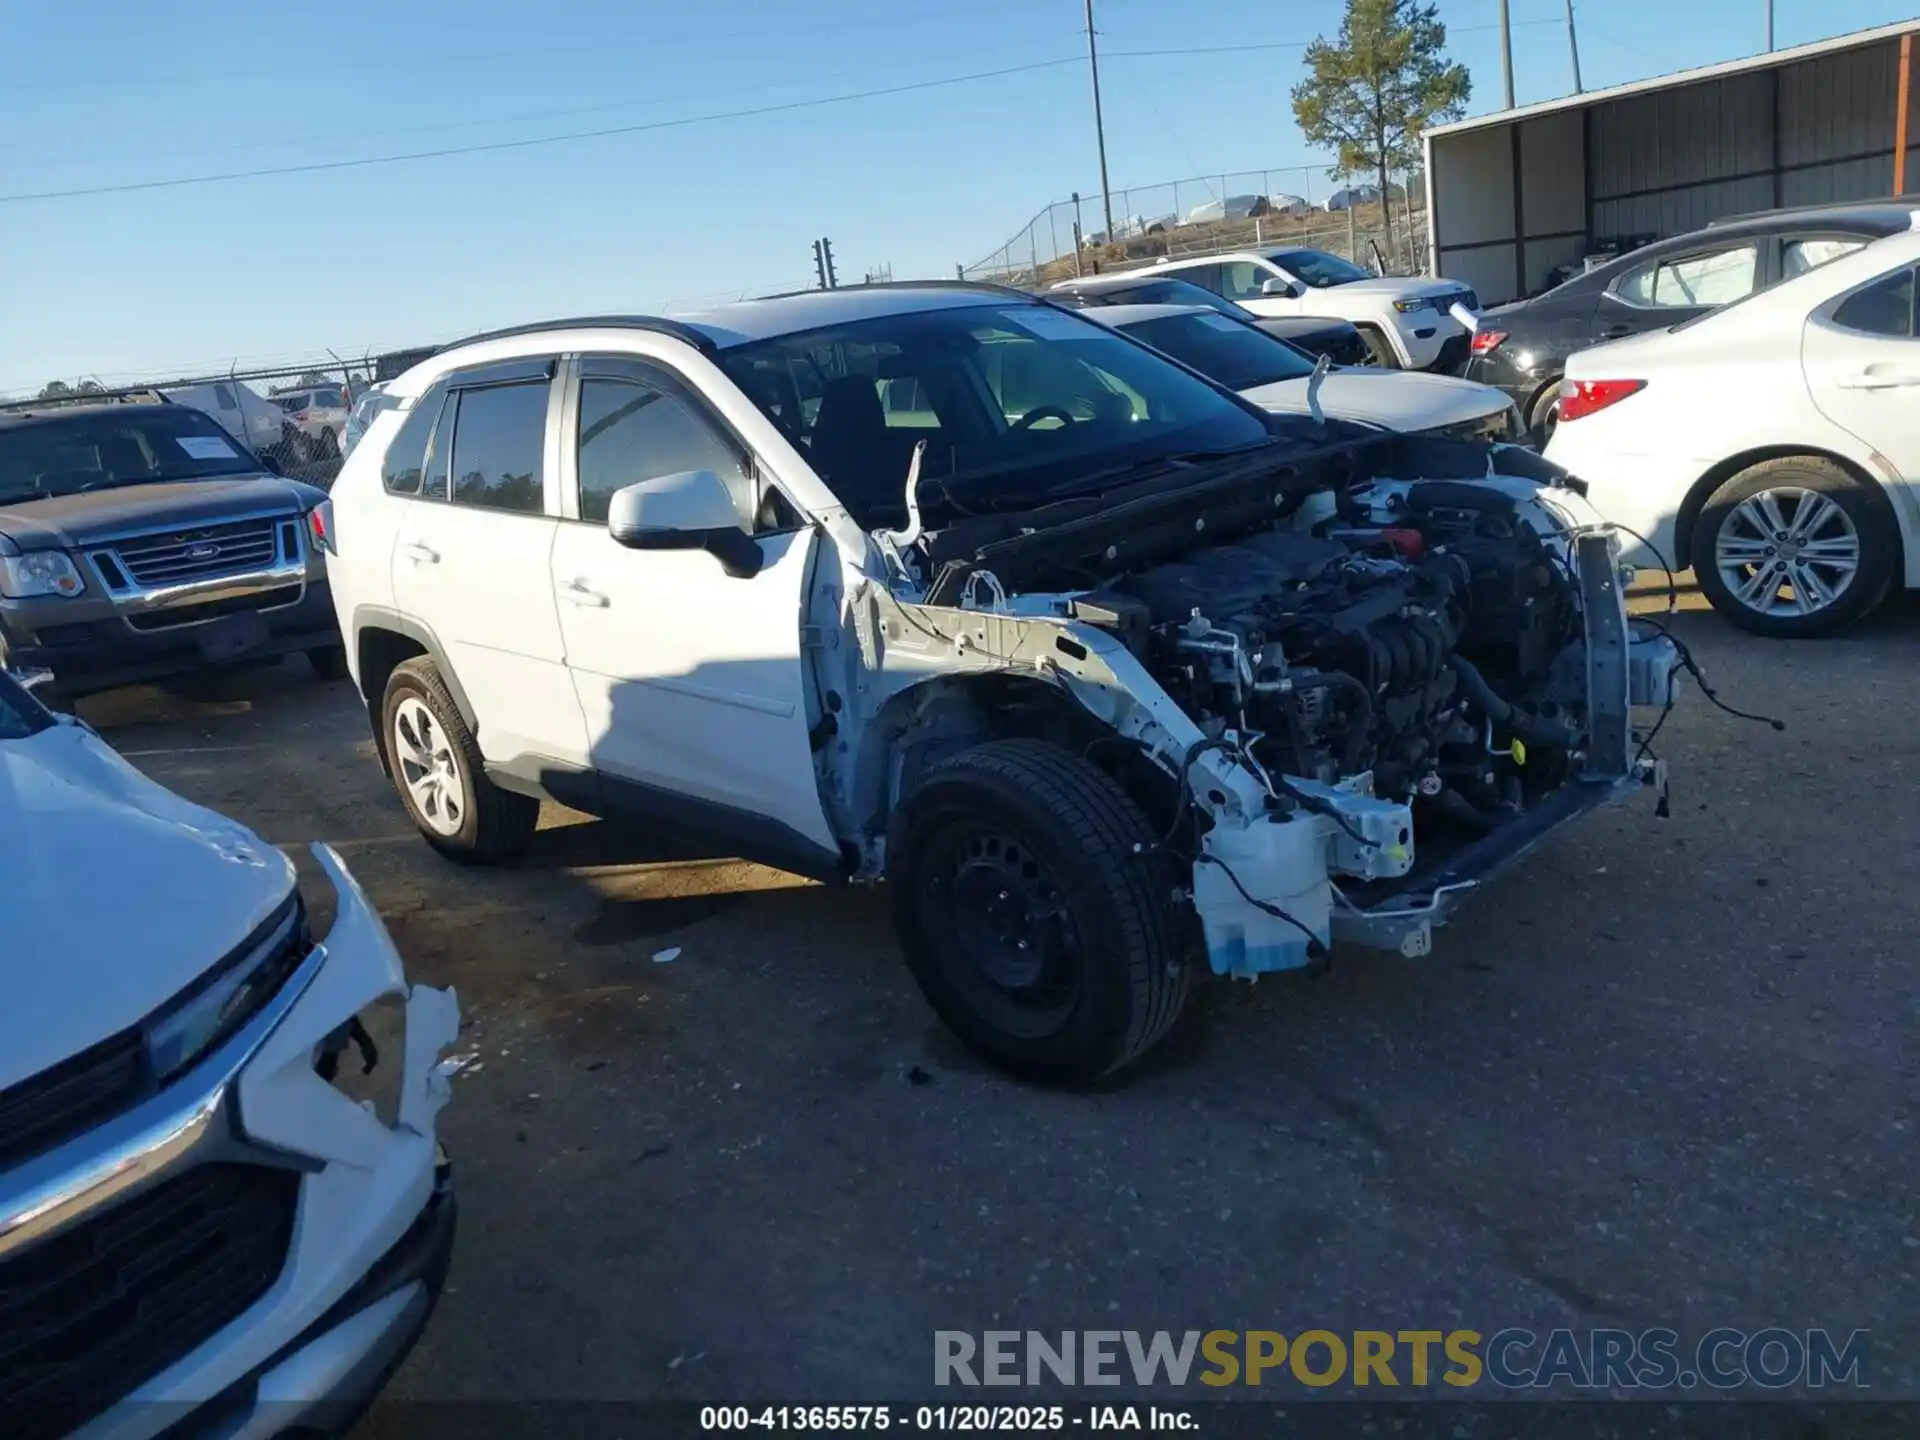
(1275, 376)
(1773, 445)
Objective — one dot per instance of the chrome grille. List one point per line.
(199, 553)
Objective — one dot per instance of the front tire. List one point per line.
(1379, 346)
(1795, 548)
(442, 780)
(1036, 911)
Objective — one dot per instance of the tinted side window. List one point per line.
(400, 471)
(632, 431)
(1809, 252)
(1241, 280)
(498, 435)
(1883, 308)
(1687, 282)
(1207, 277)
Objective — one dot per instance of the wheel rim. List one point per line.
(427, 768)
(1001, 929)
(1787, 552)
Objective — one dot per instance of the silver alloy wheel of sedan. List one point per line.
(428, 768)
(1787, 551)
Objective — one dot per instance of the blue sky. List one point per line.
(281, 268)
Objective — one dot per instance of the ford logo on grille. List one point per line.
(203, 552)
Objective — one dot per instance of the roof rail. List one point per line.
(990, 287)
(655, 323)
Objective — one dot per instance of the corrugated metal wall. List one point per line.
(1664, 162)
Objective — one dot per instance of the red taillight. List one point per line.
(1584, 397)
(1485, 342)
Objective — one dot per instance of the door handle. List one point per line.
(1614, 332)
(578, 592)
(420, 554)
(1876, 379)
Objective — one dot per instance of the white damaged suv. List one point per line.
(1113, 676)
(222, 1204)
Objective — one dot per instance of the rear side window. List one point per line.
(499, 437)
(1882, 308)
(224, 396)
(1686, 282)
(1811, 252)
(405, 456)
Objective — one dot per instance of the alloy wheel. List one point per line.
(427, 768)
(1787, 552)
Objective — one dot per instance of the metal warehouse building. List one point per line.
(1513, 195)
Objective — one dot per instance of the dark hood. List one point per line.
(69, 521)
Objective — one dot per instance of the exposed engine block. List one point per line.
(1418, 650)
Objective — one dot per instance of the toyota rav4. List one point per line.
(1110, 674)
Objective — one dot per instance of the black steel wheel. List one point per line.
(1036, 911)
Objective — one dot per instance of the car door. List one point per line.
(1660, 292)
(690, 679)
(1861, 353)
(470, 560)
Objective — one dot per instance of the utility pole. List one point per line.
(826, 253)
(819, 265)
(1099, 125)
(1573, 48)
(1506, 54)
(1769, 24)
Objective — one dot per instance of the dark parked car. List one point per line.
(1316, 334)
(144, 541)
(1523, 347)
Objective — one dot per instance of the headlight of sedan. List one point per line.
(45, 572)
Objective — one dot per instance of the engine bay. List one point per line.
(1422, 650)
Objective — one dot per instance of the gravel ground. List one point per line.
(1664, 1074)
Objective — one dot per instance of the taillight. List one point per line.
(1584, 397)
(320, 527)
(1485, 342)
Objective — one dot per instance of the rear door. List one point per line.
(471, 556)
(1659, 293)
(1862, 358)
(690, 679)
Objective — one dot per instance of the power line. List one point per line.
(642, 127)
(365, 162)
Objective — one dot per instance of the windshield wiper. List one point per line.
(1151, 466)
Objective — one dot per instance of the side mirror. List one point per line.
(1286, 289)
(691, 510)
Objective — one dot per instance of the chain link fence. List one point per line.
(1207, 214)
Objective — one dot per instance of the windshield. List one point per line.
(1319, 269)
(1238, 356)
(66, 454)
(1017, 404)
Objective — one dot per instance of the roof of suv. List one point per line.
(745, 321)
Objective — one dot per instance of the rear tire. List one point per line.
(1036, 911)
(438, 770)
(1801, 518)
(1544, 417)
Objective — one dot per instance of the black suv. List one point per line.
(1523, 347)
(142, 541)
